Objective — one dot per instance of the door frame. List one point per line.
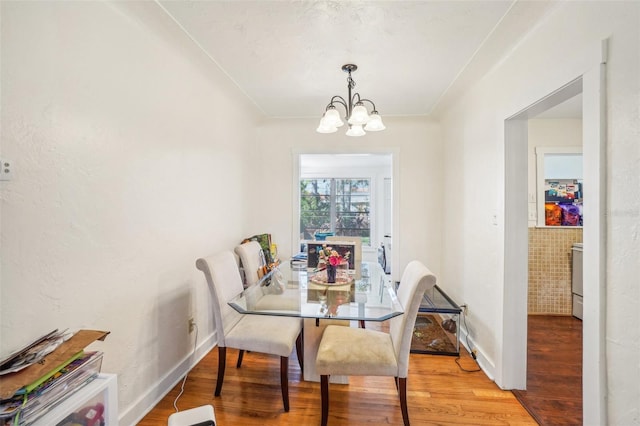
(513, 373)
(394, 153)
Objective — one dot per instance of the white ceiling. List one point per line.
(412, 56)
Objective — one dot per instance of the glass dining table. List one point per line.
(362, 294)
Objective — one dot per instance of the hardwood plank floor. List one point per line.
(439, 393)
(554, 370)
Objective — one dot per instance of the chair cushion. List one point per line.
(265, 333)
(347, 351)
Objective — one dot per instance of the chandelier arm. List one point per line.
(339, 100)
(367, 100)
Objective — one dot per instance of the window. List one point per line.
(338, 205)
(559, 186)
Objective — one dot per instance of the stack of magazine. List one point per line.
(299, 261)
(33, 401)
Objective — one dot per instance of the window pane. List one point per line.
(346, 186)
(315, 206)
(350, 206)
(354, 203)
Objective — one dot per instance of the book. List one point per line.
(35, 400)
(31, 387)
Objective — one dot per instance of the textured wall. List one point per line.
(552, 55)
(416, 145)
(130, 152)
(550, 269)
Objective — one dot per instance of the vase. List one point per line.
(331, 274)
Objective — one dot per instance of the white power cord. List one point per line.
(175, 402)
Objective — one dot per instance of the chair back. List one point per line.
(252, 259)
(223, 277)
(416, 279)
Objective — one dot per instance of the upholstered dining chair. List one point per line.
(252, 259)
(273, 335)
(348, 351)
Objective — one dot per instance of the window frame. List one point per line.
(333, 194)
(382, 164)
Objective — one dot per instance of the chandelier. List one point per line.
(356, 115)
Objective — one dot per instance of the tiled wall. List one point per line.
(550, 269)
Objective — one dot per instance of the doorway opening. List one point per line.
(345, 194)
(555, 200)
(513, 373)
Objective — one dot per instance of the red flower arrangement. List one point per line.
(330, 256)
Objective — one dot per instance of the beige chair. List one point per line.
(348, 351)
(252, 259)
(274, 335)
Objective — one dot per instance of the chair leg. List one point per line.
(403, 400)
(284, 381)
(222, 362)
(362, 324)
(240, 356)
(324, 392)
(300, 351)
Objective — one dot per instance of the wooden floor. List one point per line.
(554, 370)
(439, 393)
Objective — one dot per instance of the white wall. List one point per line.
(415, 141)
(557, 52)
(130, 161)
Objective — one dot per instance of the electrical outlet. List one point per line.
(6, 169)
(192, 325)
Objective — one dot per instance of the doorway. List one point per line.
(554, 335)
(373, 200)
(513, 371)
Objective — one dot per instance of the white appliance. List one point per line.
(576, 279)
(384, 254)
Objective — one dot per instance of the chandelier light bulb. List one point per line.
(332, 117)
(324, 127)
(355, 130)
(375, 123)
(359, 115)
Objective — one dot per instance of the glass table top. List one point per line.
(364, 294)
(436, 300)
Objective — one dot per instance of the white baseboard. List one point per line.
(487, 366)
(145, 403)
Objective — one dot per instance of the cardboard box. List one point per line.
(12, 382)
